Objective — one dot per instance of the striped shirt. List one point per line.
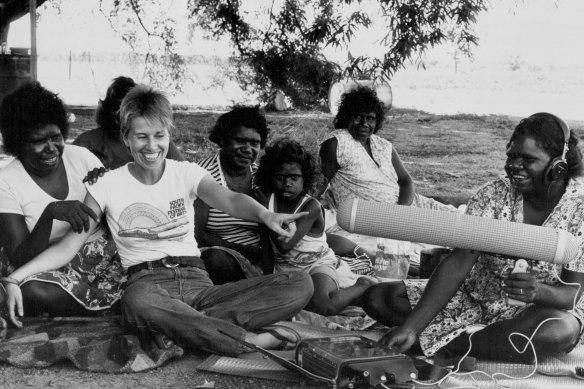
(219, 223)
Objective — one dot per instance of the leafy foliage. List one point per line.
(162, 65)
(279, 43)
(285, 51)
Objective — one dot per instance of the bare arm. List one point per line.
(303, 226)
(52, 258)
(328, 160)
(22, 246)
(243, 206)
(443, 284)
(404, 180)
(61, 252)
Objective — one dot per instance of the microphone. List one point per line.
(452, 229)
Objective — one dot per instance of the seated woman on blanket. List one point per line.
(542, 187)
(41, 200)
(287, 175)
(232, 250)
(148, 204)
(105, 141)
(360, 164)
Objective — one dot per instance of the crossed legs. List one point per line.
(388, 303)
(184, 305)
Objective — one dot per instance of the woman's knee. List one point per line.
(137, 298)
(297, 285)
(382, 297)
(560, 335)
(556, 330)
(42, 293)
(323, 305)
(43, 297)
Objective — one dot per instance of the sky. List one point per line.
(539, 34)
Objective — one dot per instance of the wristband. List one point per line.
(10, 280)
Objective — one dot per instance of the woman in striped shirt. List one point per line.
(232, 250)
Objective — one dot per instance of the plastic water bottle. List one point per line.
(392, 259)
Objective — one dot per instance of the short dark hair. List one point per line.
(548, 134)
(27, 109)
(240, 115)
(361, 99)
(107, 113)
(286, 150)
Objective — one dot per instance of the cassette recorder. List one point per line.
(354, 362)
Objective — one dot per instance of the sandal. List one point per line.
(277, 330)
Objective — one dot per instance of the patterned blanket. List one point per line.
(92, 344)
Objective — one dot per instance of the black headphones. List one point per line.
(558, 167)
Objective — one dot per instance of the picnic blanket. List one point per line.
(97, 344)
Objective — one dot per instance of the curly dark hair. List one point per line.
(356, 101)
(107, 113)
(547, 131)
(240, 115)
(286, 150)
(27, 109)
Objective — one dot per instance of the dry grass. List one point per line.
(450, 156)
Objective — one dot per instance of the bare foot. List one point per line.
(3, 328)
(275, 337)
(366, 281)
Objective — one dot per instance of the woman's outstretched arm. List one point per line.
(442, 286)
(244, 207)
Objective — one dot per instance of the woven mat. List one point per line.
(491, 376)
(558, 363)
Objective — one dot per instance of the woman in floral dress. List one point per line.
(468, 290)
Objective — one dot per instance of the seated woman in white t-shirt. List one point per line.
(41, 199)
(148, 204)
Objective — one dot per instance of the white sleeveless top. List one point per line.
(359, 175)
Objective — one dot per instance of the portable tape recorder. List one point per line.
(349, 362)
(354, 362)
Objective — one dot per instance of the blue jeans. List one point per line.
(183, 304)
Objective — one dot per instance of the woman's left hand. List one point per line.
(521, 286)
(284, 224)
(14, 303)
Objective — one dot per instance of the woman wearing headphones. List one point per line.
(468, 290)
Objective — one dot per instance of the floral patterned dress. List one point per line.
(480, 298)
(94, 277)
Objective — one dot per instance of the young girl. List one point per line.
(286, 176)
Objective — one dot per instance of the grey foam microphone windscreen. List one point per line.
(456, 230)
